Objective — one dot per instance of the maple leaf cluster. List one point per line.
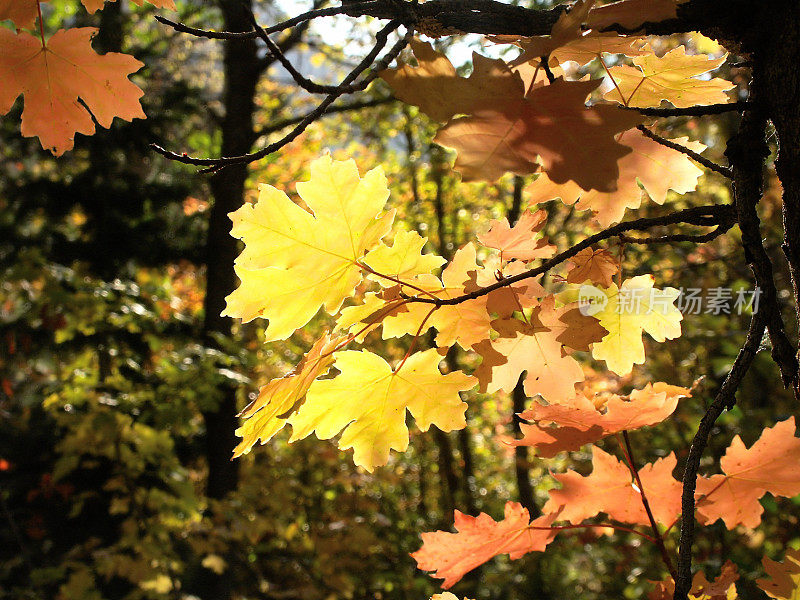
(330, 251)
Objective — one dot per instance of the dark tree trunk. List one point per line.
(241, 71)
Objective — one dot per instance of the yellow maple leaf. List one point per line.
(296, 261)
(626, 312)
(368, 402)
(671, 78)
(268, 413)
(465, 323)
(402, 260)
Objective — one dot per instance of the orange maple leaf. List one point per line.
(95, 5)
(552, 124)
(478, 539)
(771, 465)
(671, 77)
(784, 581)
(22, 12)
(466, 323)
(658, 169)
(52, 78)
(597, 266)
(564, 427)
(520, 241)
(532, 348)
(610, 490)
(435, 87)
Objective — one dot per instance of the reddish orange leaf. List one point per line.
(771, 465)
(521, 241)
(574, 142)
(452, 555)
(52, 79)
(610, 489)
(568, 426)
(22, 12)
(95, 5)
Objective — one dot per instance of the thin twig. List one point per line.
(215, 164)
(726, 171)
(692, 111)
(725, 398)
(699, 215)
(247, 35)
(659, 540)
(331, 110)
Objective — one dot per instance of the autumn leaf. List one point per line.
(610, 489)
(551, 124)
(784, 577)
(403, 260)
(597, 266)
(569, 425)
(566, 29)
(52, 78)
(629, 311)
(22, 12)
(672, 77)
(276, 400)
(296, 261)
(465, 323)
(520, 241)
(508, 299)
(657, 168)
(631, 14)
(436, 88)
(592, 45)
(95, 5)
(722, 588)
(771, 465)
(532, 348)
(367, 402)
(478, 539)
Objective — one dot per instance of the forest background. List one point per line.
(119, 382)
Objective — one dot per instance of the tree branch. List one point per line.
(725, 398)
(692, 111)
(215, 164)
(747, 151)
(721, 214)
(690, 153)
(331, 110)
